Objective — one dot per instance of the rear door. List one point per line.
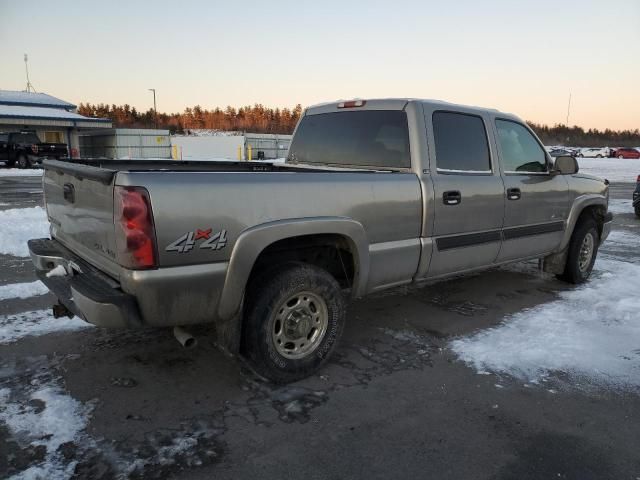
(469, 193)
(537, 201)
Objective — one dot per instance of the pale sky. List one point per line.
(519, 56)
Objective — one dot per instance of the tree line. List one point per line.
(261, 119)
(254, 119)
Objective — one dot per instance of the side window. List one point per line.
(520, 150)
(461, 143)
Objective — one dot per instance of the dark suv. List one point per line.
(636, 198)
(26, 150)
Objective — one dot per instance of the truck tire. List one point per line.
(23, 162)
(294, 317)
(583, 249)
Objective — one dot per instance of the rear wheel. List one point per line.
(293, 320)
(583, 249)
(23, 162)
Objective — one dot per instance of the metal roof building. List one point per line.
(53, 119)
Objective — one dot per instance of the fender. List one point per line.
(254, 240)
(579, 204)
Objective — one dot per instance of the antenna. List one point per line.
(568, 109)
(30, 87)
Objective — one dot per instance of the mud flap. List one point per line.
(556, 262)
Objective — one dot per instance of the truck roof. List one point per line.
(397, 104)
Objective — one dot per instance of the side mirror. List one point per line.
(566, 165)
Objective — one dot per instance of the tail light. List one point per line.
(135, 233)
(34, 148)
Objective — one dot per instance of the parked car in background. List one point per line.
(594, 152)
(562, 152)
(25, 149)
(636, 198)
(627, 153)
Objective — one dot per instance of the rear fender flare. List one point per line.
(254, 240)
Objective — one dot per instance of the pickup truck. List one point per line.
(373, 194)
(26, 150)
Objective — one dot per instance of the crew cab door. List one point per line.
(468, 192)
(537, 201)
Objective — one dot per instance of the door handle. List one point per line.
(514, 193)
(452, 197)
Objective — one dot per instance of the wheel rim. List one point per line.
(299, 325)
(586, 252)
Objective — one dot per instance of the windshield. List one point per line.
(27, 137)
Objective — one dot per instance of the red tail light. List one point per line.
(135, 234)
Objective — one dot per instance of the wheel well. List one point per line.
(331, 252)
(595, 212)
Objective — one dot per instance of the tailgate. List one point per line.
(79, 201)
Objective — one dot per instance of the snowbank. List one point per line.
(613, 169)
(22, 290)
(18, 225)
(592, 333)
(17, 172)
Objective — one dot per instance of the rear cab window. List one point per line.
(366, 139)
(520, 151)
(461, 143)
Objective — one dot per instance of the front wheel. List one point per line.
(23, 162)
(294, 318)
(583, 249)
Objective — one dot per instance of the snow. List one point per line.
(31, 98)
(18, 225)
(17, 172)
(591, 333)
(45, 112)
(47, 418)
(620, 206)
(36, 323)
(22, 290)
(613, 169)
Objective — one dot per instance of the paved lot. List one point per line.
(395, 402)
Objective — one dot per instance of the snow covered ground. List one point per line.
(18, 225)
(613, 169)
(33, 324)
(22, 290)
(17, 172)
(590, 334)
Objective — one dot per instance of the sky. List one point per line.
(523, 57)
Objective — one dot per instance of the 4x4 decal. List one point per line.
(213, 241)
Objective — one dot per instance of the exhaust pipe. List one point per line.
(185, 338)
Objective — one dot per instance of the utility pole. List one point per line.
(155, 109)
(26, 68)
(568, 109)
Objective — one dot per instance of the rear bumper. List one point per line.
(83, 289)
(606, 226)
